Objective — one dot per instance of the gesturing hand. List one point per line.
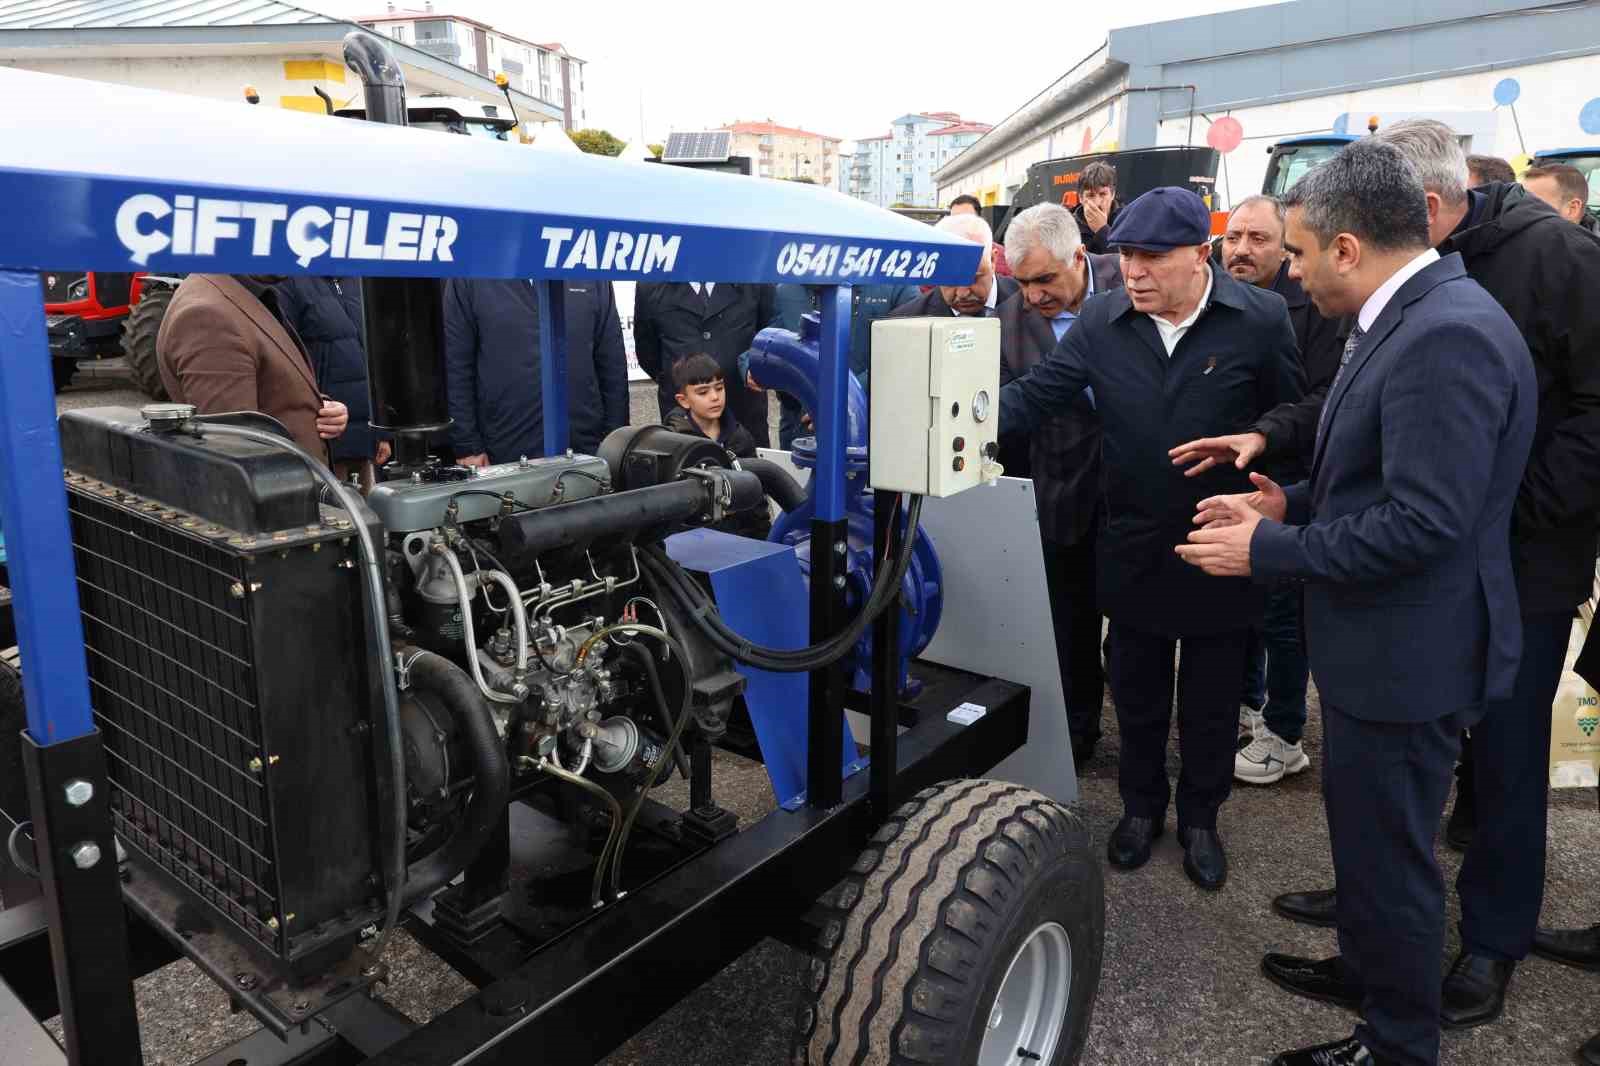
(1221, 547)
(1238, 449)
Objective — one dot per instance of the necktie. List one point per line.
(1350, 345)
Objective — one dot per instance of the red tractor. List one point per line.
(98, 316)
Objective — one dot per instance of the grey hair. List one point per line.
(1277, 206)
(1047, 226)
(1370, 191)
(1435, 151)
(972, 227)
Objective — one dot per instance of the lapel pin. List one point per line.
(1211, 364)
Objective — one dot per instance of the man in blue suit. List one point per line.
(1402, 537)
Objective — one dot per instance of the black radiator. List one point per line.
(230, 676)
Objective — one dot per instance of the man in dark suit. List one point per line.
(1180, 347)
(1402, 537)
(675, 319)
(492, 368)
(1272, 709)
(225, 346)
(1062, 455)
(981, 297)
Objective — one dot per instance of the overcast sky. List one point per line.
(845, 68)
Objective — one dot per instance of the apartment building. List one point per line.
(785, 152)
(897, 167)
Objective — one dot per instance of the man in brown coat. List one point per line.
(224, 346)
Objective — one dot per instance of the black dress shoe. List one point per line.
(1319, 907)
(1129, 846)
(1204, 860)
(1474, 991)
(1575, 947)
(1328, 980)
(1462, 823)
(1347, 1052)
(1589, 1053)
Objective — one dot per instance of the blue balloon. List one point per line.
(1589, 117)
(1506, 91)
(1342, 123)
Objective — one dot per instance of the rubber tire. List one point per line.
(916, 940)
(139, 332)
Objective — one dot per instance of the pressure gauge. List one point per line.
(980, 406)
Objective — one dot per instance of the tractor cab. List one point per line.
(1586, 160)
(1295, 157)
(452, 114)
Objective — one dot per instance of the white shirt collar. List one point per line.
(710, 286)
(1385, 292)
(1171, 334)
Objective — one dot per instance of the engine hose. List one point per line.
(648, 661)
(800, 660)
(491, 776)
(15, 852)
(776, 482)
(611, 802)
(470, 638)
(378, 608)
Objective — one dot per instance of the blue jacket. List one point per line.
(492, 367)
(1403, 533)
(326, 314)
(1237, 361)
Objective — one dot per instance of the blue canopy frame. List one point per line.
(182, 184)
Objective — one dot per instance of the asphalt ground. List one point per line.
(1180, 985)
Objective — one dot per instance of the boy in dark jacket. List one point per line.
(702, 395)
(326, 314)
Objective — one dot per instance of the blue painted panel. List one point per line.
(761, 594)
(289, 193)
(33, 511)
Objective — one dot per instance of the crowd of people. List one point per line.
(1355, 440)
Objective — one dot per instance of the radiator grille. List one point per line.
(174, 691)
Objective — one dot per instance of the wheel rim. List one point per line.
(1028, 1020)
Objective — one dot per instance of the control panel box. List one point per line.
(935, 392)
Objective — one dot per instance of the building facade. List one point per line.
(897, 168)
(544, 71)
(285, 52)
(1511, 76)
(785, 152)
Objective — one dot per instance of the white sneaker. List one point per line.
(1251, 721)
(1268, 758)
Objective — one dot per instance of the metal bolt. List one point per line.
(838, 581)
(272, 923)
(236, 590)
(838, 547)
(85, 854)
(372, 971)
(79, 792)
(255, 764)
(301, 1006)
(347, 564)
(246, 981)
(255, 586)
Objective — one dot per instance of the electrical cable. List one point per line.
(379, 609)
(500, 497)
(16, 853)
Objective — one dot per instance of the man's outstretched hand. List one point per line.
(1239, 449)
(1221, 546)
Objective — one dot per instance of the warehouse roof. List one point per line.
(112, 14)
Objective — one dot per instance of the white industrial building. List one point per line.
(215, 50)
(1511, 76)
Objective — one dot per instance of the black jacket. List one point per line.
(1237, 361)
(1544, 271)
(325, 313)
(492, 367)
(1062, 454)
(671, 320)
(737, 442)
(1096, 242)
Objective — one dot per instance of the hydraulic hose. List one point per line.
(491, 775)
(379, 641)
(799, 660)
(776, 482)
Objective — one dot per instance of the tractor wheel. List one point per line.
(968, 933)
(139, 340)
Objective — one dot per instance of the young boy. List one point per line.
(702, 396)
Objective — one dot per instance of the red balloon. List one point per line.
(1225, 134)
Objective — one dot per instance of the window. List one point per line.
(433, 30)
(400, 32)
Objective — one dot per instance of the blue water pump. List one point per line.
(782, 360)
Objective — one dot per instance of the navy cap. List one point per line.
(1162, 219)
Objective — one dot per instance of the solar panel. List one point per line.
(701, 146)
